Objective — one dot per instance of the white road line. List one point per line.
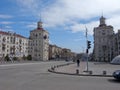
(19, 64)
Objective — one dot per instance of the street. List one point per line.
(34, 76)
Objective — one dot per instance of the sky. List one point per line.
(65, 20)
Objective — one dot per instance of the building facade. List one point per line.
(36, 46)
(39, 43)
(13, 45)
(57, 53)
(117, 43)
(104, 46)
(54, 52)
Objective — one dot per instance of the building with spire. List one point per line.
(39, 43)
(103, 41)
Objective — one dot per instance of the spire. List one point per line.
(40, 23)
(102, 21)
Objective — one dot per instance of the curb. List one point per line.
(52, 70)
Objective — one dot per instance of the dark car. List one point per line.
(116, 74)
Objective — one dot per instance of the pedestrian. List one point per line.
(78, 62)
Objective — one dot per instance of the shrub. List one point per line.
(24, 57)
(15, 58)
(29, 57)
(7, 58)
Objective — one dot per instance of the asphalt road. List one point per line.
(34, 76)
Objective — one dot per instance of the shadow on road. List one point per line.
(114, 80)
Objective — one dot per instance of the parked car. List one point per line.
(116, 74)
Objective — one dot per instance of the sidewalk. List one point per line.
(96, 68)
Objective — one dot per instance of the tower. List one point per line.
(39, 43)
(102, 41)
(39, 25)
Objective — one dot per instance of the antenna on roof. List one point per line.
(40, 22)
(40, 17)
(102, 13)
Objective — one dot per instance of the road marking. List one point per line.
(18, 64)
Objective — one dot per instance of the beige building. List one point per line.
(39, 43)
(56, 52)
(13, 45)
(103, 41)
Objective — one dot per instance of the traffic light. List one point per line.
(88, 44)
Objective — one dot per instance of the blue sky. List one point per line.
(65, 20)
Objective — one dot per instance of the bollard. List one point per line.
(90, 72)
(52, 68)
(104, 72)
(68, 64)
(77, 71)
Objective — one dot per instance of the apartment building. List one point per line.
(13, 45)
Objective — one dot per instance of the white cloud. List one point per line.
(8, 27)
(6, 22)
(32, 25)
(50, 42)
(67, 11)
(30, 5)
(33, 7)
(79, 27)
(115, 22)
(3, 16)
(74, 12)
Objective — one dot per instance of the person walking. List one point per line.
(78, 62)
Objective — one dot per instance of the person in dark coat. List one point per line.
(78, 62)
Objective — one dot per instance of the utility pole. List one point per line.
(88, 44)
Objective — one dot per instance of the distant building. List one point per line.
(39, 43)
(13, 45)
(104, 40)
(56, 52)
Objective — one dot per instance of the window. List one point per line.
(3, 47)
(20, 41)
(4, 39)
(103, 33)
(36, 35)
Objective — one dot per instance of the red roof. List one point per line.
(7, 33)
(37, 29)
(40, 29)
(3, 33)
